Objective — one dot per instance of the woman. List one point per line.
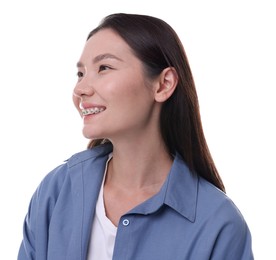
(146, 187)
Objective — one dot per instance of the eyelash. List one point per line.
(103, 67)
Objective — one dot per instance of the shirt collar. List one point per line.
(179, 192)
(182, 189)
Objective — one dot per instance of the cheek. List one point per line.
(127, 89)
(135, 103)
(128, 98)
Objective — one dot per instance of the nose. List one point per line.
(81, 91)
(83, 88)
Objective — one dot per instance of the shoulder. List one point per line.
(219, 210)
(89, 154)
(67, 180)
(211, 200)
(61, 176)
(224, 223)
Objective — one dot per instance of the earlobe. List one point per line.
(168, 81)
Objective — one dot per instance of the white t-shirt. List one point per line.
(103, 230)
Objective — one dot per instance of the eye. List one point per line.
(79, 74)
(103, 67)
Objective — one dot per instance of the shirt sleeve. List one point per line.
(36, 223)
(27, 247)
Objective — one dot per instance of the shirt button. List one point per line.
(125, 222)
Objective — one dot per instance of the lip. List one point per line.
(86, 105)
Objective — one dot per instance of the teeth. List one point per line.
(91, 111)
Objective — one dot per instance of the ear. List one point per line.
(167, 82)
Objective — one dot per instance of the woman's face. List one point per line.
(111, 94)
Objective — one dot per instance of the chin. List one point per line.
(90, 134)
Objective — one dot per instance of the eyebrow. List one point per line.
(100, 58)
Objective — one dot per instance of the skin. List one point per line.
(111, 77)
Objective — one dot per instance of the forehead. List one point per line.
(106, 41)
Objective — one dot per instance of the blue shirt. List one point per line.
(189, 218)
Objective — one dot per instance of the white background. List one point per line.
(231, 48)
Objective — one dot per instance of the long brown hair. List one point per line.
(158, 46)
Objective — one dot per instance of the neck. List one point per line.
(136, 165)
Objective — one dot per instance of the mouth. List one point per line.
(92, 111)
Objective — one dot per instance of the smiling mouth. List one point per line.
(91, 111)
